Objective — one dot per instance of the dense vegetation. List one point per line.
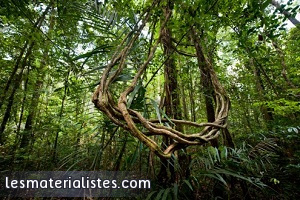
(129, 85)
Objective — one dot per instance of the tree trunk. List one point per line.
(60, 115)
(184, 104)
(172, 100)
(17, 138)
(151, 168)
(228, 141)
(119, 159)
(37, 91)
(283, 64)
(13, 73)
(17, 82)
(37, 24)
(23, 50)
(206, 84)
(267, 114)
(23, 107)
(191, 97)
(31, 116)
(286, 13)
(18, 78)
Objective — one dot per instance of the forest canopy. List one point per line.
(200, 96)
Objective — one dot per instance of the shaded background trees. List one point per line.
(53, 53)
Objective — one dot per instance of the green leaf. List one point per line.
(166, 116)
(224, 152)
(175, 191)
(226, 172)
(133, 93)
(217, 155)
(266, 3)
(91, 53)
(156, 109)
(150, 195)
(124, 77)
(57, 89)
(220, 178)
(111, 19)
(295, 130)
(159, 194)
(134, 156)
(188, 184)
(215, 176)
(97, 68)
(295, 9)
(166, 193)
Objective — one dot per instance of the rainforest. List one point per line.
(202, 97)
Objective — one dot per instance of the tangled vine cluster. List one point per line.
(128, 118)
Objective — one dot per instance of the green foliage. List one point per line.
(248, 44)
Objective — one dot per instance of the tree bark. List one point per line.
(23, 106)
(119, 159)
(13, 73)
(37, 24)
(37, 91)
(17, 82)
(184, 104)
(18, 78)
(191, 97)
(172, 100)
(206, 84)
(17, 138)
(283, 64)
(286, 13)
(60, 115)
(267, 114)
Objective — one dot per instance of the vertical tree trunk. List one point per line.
(17, 82)
(18, 78)
(83, 123)
(169, 90)
(23, 106)
(286, 13)
(267, 114)
(151, 164)
(13, 73)
(209, 96)
(283, 64)
(119, 159)
(37, 24)
(191, 97)
(31, 116)
(60, 115)
(184, 104)
(37, 91)
(172, 91)
(17, 138)
(102, 147)
(206, 84)
(228, 141)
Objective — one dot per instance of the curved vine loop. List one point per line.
(127, 118)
